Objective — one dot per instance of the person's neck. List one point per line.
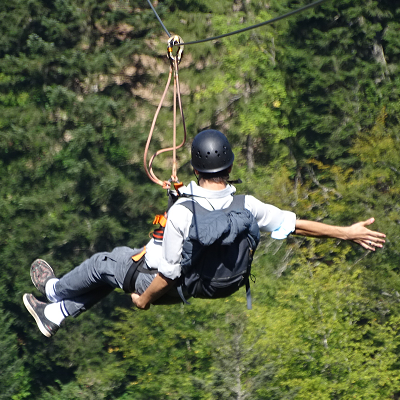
(211, 185)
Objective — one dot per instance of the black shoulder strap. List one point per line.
(237, 204)
(194, 207)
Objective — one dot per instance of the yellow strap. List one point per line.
(138, 256)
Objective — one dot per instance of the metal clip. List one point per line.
(175, 41)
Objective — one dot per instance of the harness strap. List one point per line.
(248, 294)
(160, 219)
(181, 295)
(128, 285)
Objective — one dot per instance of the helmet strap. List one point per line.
(197, 177)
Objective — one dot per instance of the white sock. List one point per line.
(63, 309)
(54, 312)
(50, 290)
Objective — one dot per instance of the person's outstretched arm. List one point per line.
(358, 233)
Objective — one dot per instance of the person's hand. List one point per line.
(366, 238)
(138, 303)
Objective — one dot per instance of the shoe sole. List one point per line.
(32, 274)
(34, 315)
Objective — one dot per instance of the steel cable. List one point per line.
(159, 19)
(244, 29)
(177, 96)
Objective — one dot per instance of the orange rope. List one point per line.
(177, 95)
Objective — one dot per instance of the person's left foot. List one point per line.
(41, 273)
(36, 309)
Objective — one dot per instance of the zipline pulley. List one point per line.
(174, 59)
(175, 41)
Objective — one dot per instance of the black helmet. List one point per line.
(211, 152)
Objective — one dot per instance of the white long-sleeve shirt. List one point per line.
(166, 256)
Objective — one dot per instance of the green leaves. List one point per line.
(14, 378)
(322, 338)
(311, 107)
(338, 74)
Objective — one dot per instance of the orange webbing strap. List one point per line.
(158, 233)
(160, 219)
(138, 256)
(177, 186)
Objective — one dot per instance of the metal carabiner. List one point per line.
(175, 41)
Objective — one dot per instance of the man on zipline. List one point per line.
(151, 274)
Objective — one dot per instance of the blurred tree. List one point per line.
(14, 378)
(340, 68)
(79, 83)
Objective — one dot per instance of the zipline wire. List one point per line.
(257, 25)
(159, 19)
(244, 29)
(177, 41)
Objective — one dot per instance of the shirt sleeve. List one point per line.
(176, 230)
(270, 218)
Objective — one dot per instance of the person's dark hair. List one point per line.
(217, 177)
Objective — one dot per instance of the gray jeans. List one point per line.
(97, 277)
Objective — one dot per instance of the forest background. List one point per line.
(311, 105)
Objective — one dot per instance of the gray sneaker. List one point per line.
(41, 272)
(36, 309)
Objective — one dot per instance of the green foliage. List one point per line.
(14, 378)
(71, 182)
(311, 107)
(248, 85)
(339, 77)
(193, 343)
(323, 336)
